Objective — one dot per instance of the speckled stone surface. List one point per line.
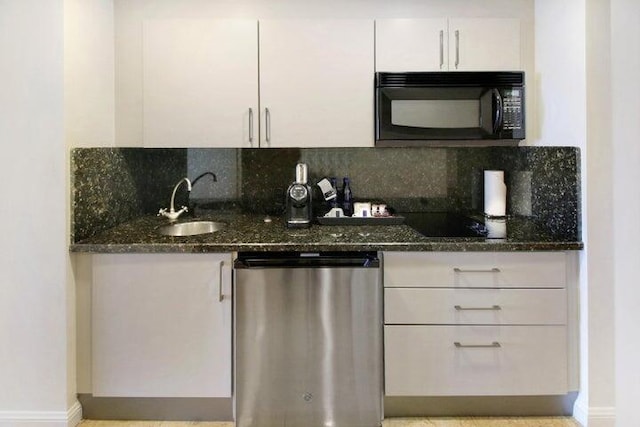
(543, 182)
(249, 232)
(113, 185)
(116, 192)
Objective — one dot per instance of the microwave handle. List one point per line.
(497, 124)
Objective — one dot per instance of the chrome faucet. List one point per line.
(172, 214)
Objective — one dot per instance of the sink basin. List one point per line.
(191, 228)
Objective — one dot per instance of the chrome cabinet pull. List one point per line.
(220, 294)
(457, 48)
(441, 48)
(494, 344)
(493, 307)
(489, 270)
(267, 120)
(251, 125)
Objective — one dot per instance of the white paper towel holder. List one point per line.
(495, 194)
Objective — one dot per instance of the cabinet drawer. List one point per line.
(475, 269)
(475, 306)
(488, 360)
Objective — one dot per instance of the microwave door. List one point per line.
(499, 112)
(492, 112)
(429, 113)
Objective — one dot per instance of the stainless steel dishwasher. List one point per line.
(308, 339)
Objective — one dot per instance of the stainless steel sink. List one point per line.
(191, 228)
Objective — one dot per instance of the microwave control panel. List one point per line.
(512, 109)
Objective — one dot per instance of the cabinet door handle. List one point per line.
(220, 294)
(251, 125)
(488, 270)
(457, 48)
(494, 344)
(267, 122)
(441, 48)
(493, 307)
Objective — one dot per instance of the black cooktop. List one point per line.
(444, 224)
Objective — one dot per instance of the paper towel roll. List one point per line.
(495, 193)
(496, 228)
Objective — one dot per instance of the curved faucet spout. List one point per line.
(213, 176)
(173, 214)
(173, 195)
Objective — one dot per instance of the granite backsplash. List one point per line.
(113, 185)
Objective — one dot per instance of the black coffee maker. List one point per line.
(299, 199)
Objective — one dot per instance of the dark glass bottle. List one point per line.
(347, 198)
(333, 203)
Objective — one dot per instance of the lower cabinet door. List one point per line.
(475, 360)
(161, 325)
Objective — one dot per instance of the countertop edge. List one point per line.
(436, 246)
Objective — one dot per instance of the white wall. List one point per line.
(34, 310)
(89, 82)
(611, 345)
(89, 121)
(625, 89)
(574, 82)
(129, 16)
(601, 359)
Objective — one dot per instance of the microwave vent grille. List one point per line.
(452, 78)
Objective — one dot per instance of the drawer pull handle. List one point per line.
(494, 344)
(493, 307)
(489, 270)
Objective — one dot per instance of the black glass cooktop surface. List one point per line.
(444, 224)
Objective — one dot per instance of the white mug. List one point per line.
(362, 209)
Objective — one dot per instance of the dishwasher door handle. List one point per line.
(307, 260)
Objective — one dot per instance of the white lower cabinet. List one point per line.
(475, 360)
(477, 324)
(161, 325)
(476, 306)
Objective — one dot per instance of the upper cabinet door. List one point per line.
(316, 83)
(200, 83)
(484, 44)
(411, 45)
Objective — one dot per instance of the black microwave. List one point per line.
(419, 107)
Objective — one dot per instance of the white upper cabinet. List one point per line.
(484, 44)
(465, 44)
(200, 83)
(411, 45)
(316, 83)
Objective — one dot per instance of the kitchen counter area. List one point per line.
(449, 274)
(116, 193)
(249, 232)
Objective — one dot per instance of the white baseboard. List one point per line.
(69, 418)
(74, 414)
(603, 416)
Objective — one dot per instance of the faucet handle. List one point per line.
(172, 214)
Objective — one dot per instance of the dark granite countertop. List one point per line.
(248, 232)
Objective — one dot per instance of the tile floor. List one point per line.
(390, 422)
